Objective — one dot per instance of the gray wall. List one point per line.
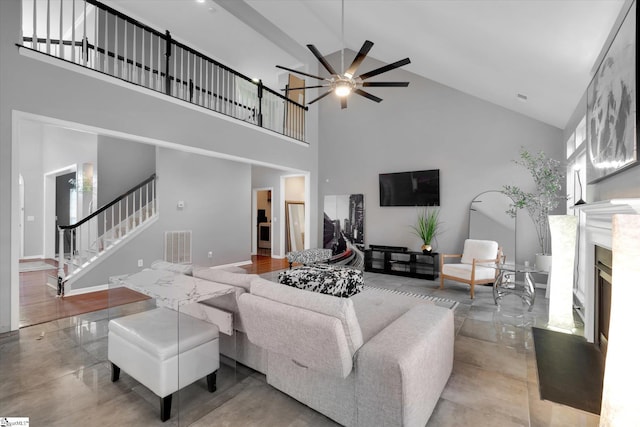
(122, 165)
(427, 126)
(41, 88)
(217, 196)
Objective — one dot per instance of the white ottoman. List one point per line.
(146, 346)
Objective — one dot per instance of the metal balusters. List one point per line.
(34, 33)
(159, 66)
(125, 62)
(216, 87)
(146, 209)
(134, 69)
(181, 73)
(188, 74)
(133, 210)
(96, 34)
(106, 43)
(150, 85)
(175, 75)
(139, 205)
(85, 54)
(142, 72)
(48, 25)
(73, 30)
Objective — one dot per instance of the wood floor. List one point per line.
(264, 264)
(39, 304)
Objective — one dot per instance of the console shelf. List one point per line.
(401, 262)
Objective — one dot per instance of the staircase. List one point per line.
(93, 238)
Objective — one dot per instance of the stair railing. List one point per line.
(110, 224)
(94, 35)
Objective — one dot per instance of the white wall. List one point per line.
(427, 126)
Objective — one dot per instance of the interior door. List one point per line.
(64, 187)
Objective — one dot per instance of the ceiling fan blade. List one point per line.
(367, 95)
(343, 102)
(323, 61)
(366, 47)
(385, 84)
(304, 87)
(320, 97)
(300, 72)
(386, 68)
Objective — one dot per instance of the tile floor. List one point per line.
(56, 374)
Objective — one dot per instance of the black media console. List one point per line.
(399, 261)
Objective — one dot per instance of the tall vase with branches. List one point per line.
(547, 176)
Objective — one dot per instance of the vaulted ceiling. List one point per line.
(492, 49)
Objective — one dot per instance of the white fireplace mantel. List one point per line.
(595, 230)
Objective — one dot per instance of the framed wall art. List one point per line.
(344, 229)
(611, 106)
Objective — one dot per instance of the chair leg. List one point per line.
(165, 408)
(472, 293)
(441, 282)
(115, 372)
(211, 382)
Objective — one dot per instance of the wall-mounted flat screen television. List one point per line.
(417, 188)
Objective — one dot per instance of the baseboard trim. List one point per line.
(42, 257)
(233, 264)
(87, 290)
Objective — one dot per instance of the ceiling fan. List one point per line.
(343, 84)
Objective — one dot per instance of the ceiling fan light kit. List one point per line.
(344, 84)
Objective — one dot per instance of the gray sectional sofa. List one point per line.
(376, 358)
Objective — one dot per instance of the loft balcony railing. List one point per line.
(96, 36)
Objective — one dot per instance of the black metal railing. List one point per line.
(94, 234)
(96, 36)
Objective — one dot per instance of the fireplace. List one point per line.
(592, 293)
(602, 275)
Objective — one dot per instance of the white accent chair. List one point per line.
(146, 346)
(477, 264)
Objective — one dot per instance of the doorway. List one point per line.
(65, 208)
(263, 214)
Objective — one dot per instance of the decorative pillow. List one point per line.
(169, 266)
(337, 281)
(220, 275)
(340, 308)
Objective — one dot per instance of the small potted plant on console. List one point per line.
(426, 227)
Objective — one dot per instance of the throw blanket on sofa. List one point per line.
(337, 281)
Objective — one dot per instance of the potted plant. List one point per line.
(426, 227)
(547, 176)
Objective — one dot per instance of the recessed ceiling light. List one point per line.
(200, 1)
(522, 98)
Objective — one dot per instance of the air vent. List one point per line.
(177, 247)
